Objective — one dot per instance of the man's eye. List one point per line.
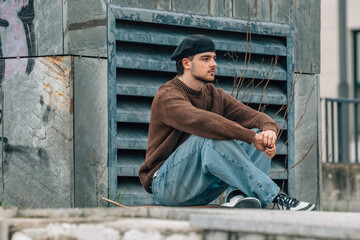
(205, 59)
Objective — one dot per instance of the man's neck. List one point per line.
(191, 82)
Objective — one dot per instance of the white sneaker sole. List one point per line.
(247, 202)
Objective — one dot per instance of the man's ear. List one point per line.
(186, 63)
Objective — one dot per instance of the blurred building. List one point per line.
(340, 68)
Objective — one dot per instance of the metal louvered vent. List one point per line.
(140, 43)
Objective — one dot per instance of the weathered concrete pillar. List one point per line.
(38, 135)
(90, 131)
(307, 165)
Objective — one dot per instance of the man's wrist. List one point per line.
(256, 137)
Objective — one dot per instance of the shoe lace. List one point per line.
(285, 201)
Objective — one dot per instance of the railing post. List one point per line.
(326, 130)
(356, 132)
(332, 132)
(340, 133)
(342, 143)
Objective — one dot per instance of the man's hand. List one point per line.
(270, 151)
(265, 142)
(258, 145)
(267, 138)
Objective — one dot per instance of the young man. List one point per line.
(203, 141)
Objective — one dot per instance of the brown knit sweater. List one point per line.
(179, 111)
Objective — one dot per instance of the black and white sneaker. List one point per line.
(284, 202)
(240, 201)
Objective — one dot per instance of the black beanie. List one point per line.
(192, 45)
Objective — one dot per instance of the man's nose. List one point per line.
(213, 63)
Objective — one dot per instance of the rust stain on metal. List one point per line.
(296, 2)
(59, 87)
(58, 93)
(270, 9)
(55, 64)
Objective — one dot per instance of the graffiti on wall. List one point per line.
(17, 38)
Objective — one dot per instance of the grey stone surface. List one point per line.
(88, 41)
(49, 27)
(221, 8)
(277, 11)
(65, 23)
(306, 19)
(91, 213)
(86, 28)
(298, 225)
(307, 160)
(150, 4)
(38, 120)
(303, 15)
(86, 10)
(91, 131)
(68, 231)
(200, 7)
(341, 187)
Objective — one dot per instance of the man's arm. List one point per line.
(246, 116)
(176, 111)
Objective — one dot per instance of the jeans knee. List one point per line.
(194, 139)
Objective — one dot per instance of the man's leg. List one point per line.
(260, 160)
(200, 169)
(181, 180)
(248, 169)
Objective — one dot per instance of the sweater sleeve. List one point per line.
(175, 110)
(246, 116)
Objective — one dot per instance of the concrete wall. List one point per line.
(39, 121)
(307, 125)
(37, 166)
(46, 169)
(85, 32)
(341, 187)
(38, 135)
(91, 131)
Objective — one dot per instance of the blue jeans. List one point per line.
(201, 169)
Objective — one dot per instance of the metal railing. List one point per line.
(341, 130)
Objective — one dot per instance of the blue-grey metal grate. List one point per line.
(140, 42)
(335, 146)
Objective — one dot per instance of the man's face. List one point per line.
(203, 66)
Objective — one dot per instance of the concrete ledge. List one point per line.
(176, 223)
(322, 225)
